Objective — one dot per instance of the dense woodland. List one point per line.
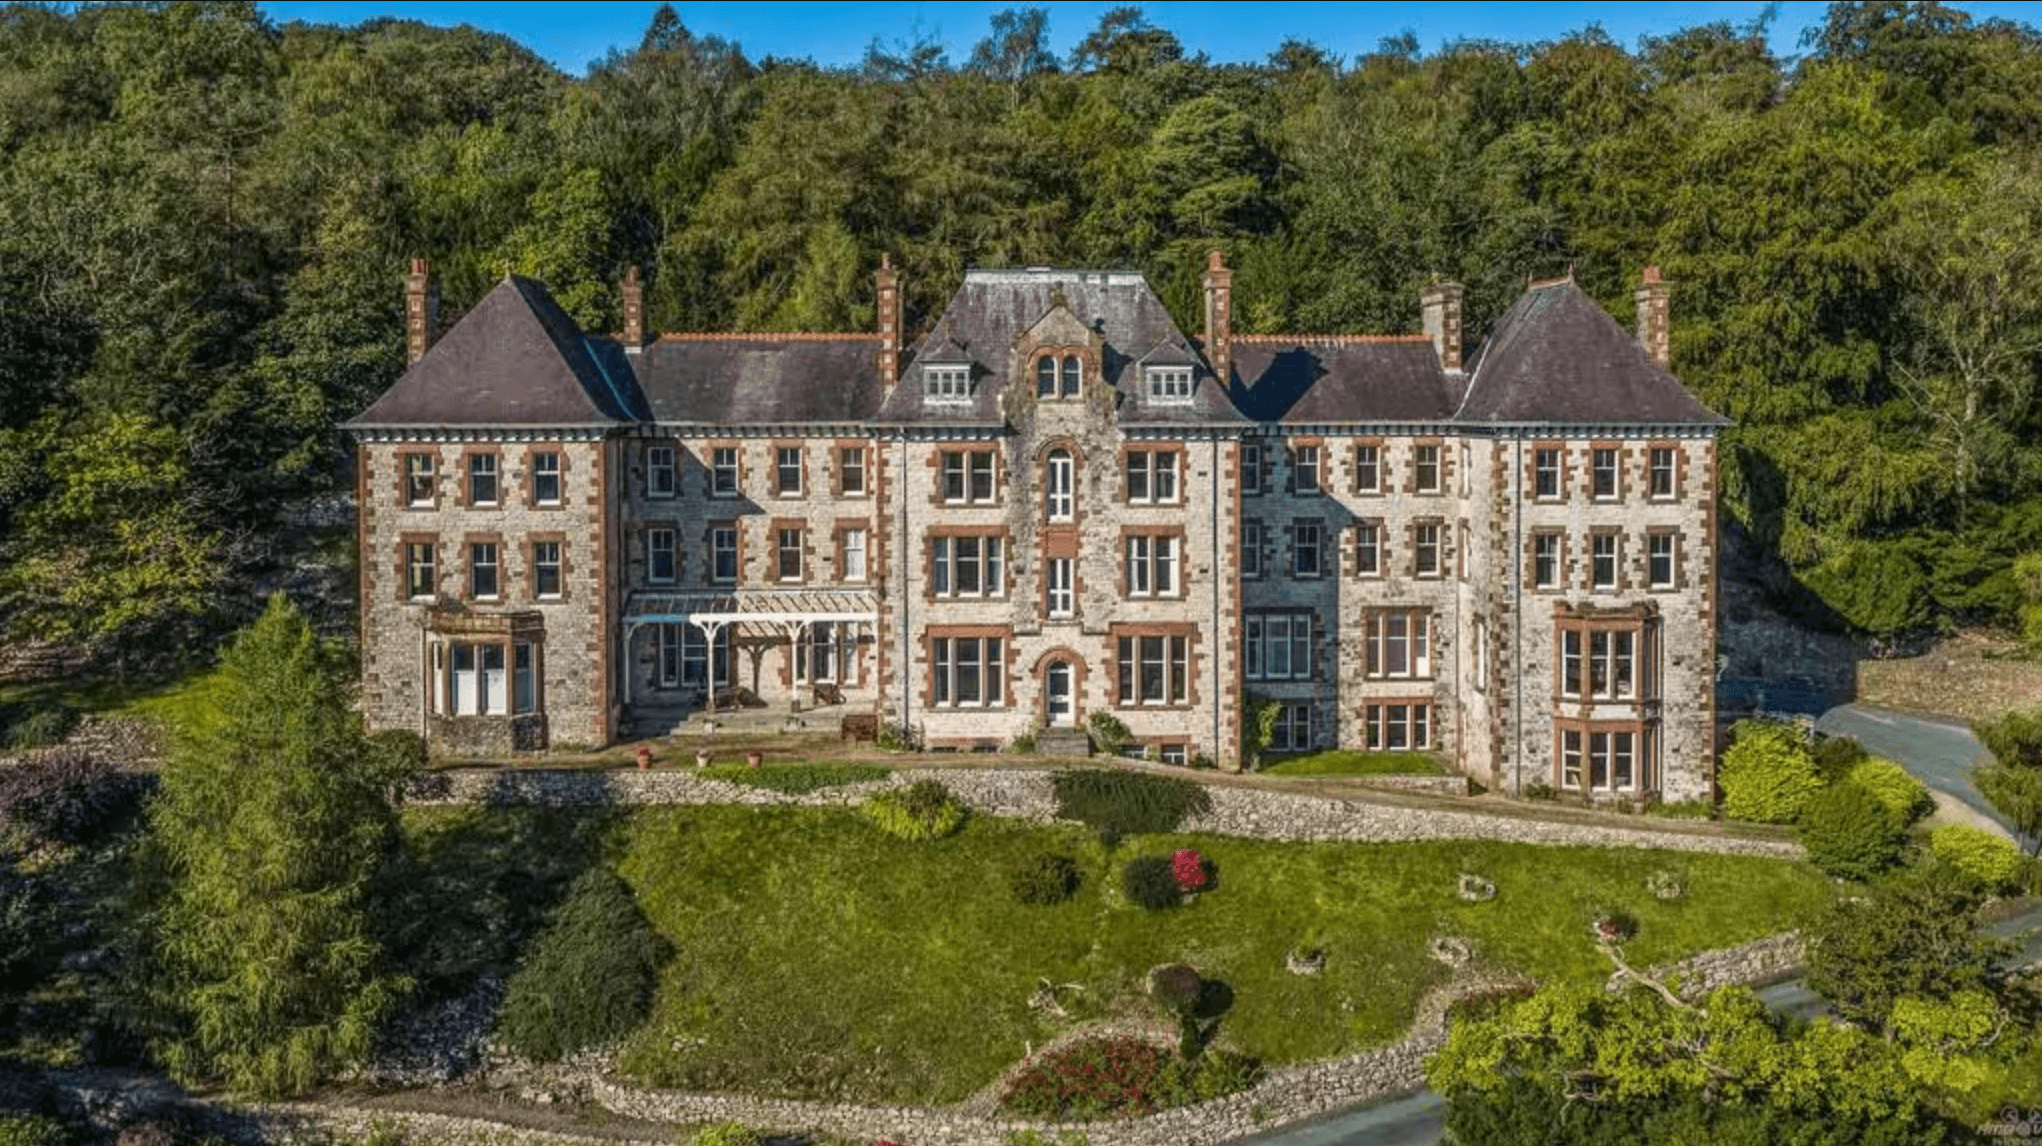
(204, 218)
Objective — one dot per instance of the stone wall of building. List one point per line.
(406, 639)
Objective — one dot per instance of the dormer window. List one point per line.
(946, 383)
(1058, 379)
(1169, 384)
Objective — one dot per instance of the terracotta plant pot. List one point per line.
(644, 758)
(701, 757)
(754, 757)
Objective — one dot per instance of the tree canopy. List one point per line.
(204, 217)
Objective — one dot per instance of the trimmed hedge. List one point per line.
(588, 977)
(924, 810)
(1768, 774)
(1905, 798)
(1116, 803)
(1850, 833)
(1990, 860)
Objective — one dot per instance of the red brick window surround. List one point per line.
(545, 477)
(1605, 658)
(790, 550)
(1059, 373)
(1253, 463)
(481, 484)
(485, 555)
(966, 562)
(1428, 467)
(967, 477)
(1663, 572)
(854, 550)
(1152, 666)
(546, 566)
(1397, 644)
(1428, 552)
(1606, 471)
(1154, 564)
(1398, 724)
(852, 477)
(1153, 476)
(1368, 466)
(968, 666)
(725, 540)
(790, 469)
(725, 471)
(1307, 466)
(418, 566)
(1060, 486)
(1548, 477)
(1605, 563)
(1603, 757)
(1369, 557)
(418, 485)
(1663, 465)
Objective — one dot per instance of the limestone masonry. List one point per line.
(1055, 503)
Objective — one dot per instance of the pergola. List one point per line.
(787, 613)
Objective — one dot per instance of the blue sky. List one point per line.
(573, 34)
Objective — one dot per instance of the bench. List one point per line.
(859, 726)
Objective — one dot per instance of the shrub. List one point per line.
(1044, 878)
(1990, 860)
(1836, 756)
(1540, 792)
(1665, 885)
(1150, 882)
(1474, 888)
(1109, 733)
(42, 727)
(924, 810)
(1849, 833)
(1038, 1138)
(1091, 1078)
(1681, 809)
(1189, 868)
(1905, 798)
(1175, 987)
(1209, 1076)
(66, 797)
(32, 1130)
(1615, 927)
(1768, 774)
(795, 779)
(726, 1134)
(1024, 744)
(587, 978)
(1127, 803)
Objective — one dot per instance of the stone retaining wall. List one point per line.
(1438, 785)
(1025, 794)
(1759, 961)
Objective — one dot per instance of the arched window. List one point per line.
(1057, 486)
(1045, 377)
(1072, 373)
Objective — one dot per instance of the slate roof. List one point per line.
(1298, 379)
(760, 379)
(514, 360)
(1555, 356)
(994, 307)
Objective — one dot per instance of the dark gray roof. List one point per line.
(1555, 356)
(760, 379)
(994, 308)
(514, 360)
(1318, 379)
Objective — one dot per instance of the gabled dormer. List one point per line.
(948, 374)
(1061, 353)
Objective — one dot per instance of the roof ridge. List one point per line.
(1328, 339)
(1541, 284)
(768, 336)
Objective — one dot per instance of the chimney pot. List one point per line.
(421, 311)
(1219, 317)
(1439, 307)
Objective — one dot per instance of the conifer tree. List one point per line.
(274, 814)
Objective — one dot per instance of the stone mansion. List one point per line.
(1053, 503)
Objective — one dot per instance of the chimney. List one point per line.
(1440, 306)
(1655, 328)
(1219, 317)
(634, 312)
(421, 312)
(889, 323)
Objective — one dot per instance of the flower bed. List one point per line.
(1121, 1077)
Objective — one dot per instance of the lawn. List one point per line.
(816, 957)
(1348, 762)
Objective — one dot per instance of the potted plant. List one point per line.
(754, 757)
(644, 757)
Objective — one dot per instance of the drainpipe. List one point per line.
(1218, 698)
(901, 594)
(1517, 611)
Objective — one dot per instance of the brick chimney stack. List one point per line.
(1219, 317)
(1440, 307)
(634, 312)
(889, 322)
(421, 311)
(1655, 324)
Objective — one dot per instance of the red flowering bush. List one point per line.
(1093, 1078)
(1189, 868)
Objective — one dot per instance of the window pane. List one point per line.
(1045, 378)
(1152, 670)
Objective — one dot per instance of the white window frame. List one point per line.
(1548, 482)
(1426, 562)
(479, 688)
(1304, 470)
(723, 471)
(1406, 635)
(662, 478)
(956, 661)
(946, 385)
(1661, 555)
(1423, 458)
(1293, 731)
(1278, 645)
(545, 468)
(1670, 471)
(1169, 385)
(1307, 537)
(421, 480)
(540, 564)
(1603, 557)
(1157, 471)
(1060, 599)
(784, 459)
(718, 535)
(1059, 482)
(1598, 471)
(1546, 561)
(1153, 565)
(484, 468)
(524, 678)
(421, 577)
(783, 547)
(851, 471)
(969, 477)
(1368, 469)
(477, 550)
(1368, 548)
(854, 555)
(1251, 549)
(1251, 469)
(949, 563)
(1168, 654)
(660, 542)
(1408, 723)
